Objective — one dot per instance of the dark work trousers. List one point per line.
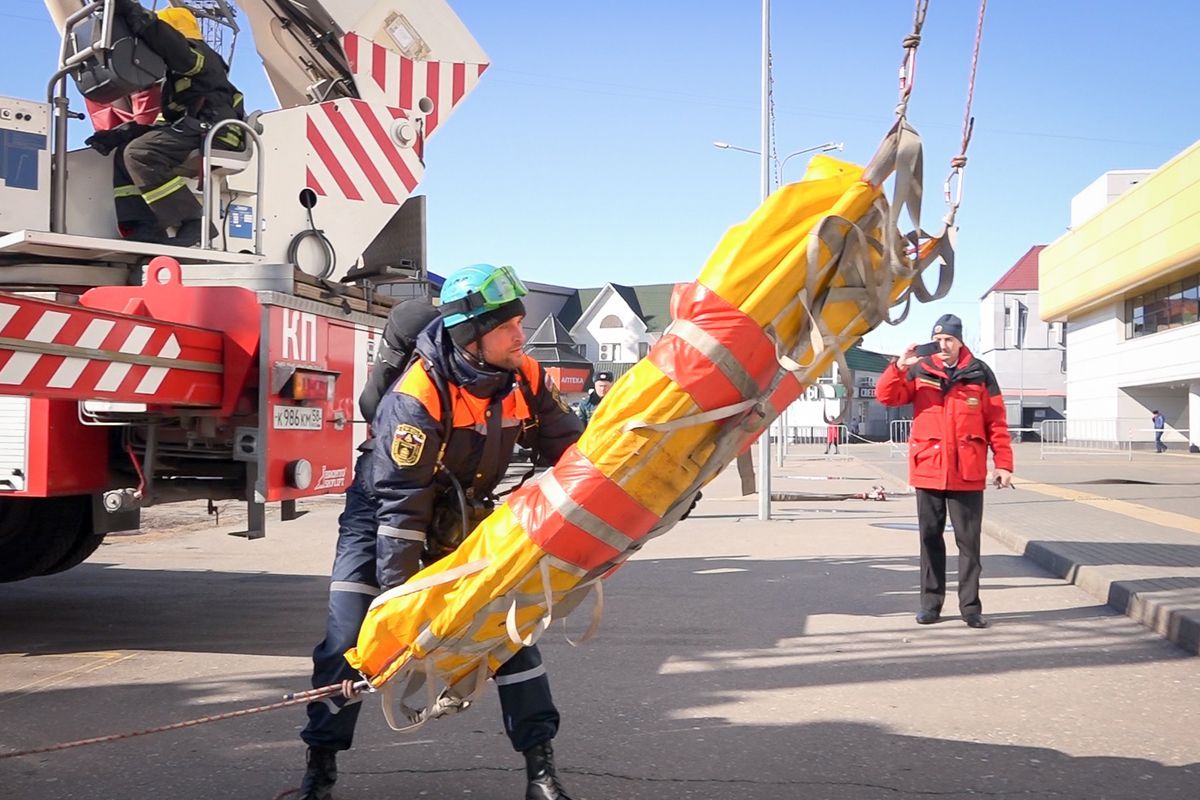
(148, 177)
(966, 514)
(530, 717)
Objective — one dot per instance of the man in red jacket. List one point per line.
(958, 413)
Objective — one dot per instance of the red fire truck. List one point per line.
(134, 374)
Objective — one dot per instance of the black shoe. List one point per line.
(927, 617)
(189, 233)
(320, 774)
(975, 620)
(147, 232)
(539, 769)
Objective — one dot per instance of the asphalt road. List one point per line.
(737, 659)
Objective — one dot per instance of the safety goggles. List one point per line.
(501, 287)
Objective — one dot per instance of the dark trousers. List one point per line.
(148, 184)
(1158, 442)
(966, 514)
(530, 717)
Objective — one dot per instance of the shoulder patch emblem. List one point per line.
(407, 445)
(929, 382)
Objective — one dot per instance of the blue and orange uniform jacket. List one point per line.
(410, 428)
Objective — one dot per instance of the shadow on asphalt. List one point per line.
(647, 706)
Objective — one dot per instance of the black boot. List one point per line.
(148, 232)
(539, 769)
(188, 234)
(320, 775)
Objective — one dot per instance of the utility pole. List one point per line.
(764, 441)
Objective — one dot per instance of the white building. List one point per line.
(1125, 280)
(1027, 353)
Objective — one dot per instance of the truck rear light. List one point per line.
(298, 473)
(305, 385)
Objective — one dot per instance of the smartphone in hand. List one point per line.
(927, 349)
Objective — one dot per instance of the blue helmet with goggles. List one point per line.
(479, 298)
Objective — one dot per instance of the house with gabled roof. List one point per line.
(616, 325)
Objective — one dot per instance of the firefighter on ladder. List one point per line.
(403, 508)
(151, 162)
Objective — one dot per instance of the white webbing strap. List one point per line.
(596, 587)
(448, 576)
(514, 633)
(724, 412)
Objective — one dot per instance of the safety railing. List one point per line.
(898, 432)
(1146, 438)
(1088, 436)
(221, 158)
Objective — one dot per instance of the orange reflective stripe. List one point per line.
(469, 410)
(725, 356)
(586, 533)
(417, 383)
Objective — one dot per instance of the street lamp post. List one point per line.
(781, 163)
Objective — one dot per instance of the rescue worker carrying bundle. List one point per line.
(444, 437)
(150, 162)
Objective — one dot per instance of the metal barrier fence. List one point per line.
(898, 433)
(1173, 438)
(1090, 436)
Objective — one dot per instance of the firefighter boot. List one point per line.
(539, 769)
(188, 234)
(320, 775)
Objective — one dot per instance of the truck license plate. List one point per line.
(297, 418)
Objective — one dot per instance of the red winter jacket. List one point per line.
(954, 421)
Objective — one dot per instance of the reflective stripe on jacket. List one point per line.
(955, 420)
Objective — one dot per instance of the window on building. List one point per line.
(581, 349)
(607, 352)
(643, 349)
(1007, 318)
(1162, 309)
(611, 321)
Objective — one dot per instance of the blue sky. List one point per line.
(585, 155)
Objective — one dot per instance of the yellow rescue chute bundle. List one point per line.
(784, 294)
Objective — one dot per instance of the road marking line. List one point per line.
(1168, 519)
(106, 660)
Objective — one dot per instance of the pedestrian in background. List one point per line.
(600, 387)
(1160, 424)
(831, 439)
(958, 413)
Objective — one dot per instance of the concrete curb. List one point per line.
(1144, 601)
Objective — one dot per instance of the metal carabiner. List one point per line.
(954, 191)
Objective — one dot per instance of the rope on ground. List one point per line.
(293, 699)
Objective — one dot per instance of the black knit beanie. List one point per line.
(474, 329)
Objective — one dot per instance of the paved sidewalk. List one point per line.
(1127, 532)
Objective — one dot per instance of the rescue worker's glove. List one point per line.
(692, 507)
(104, 142)
(136, 15)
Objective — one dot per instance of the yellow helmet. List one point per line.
(182, 20)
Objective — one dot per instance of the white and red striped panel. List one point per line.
(400, 82)
(354, 155)
(51, 350)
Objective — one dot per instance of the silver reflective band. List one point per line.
(521, 677)
(400, 533)
(580, 517)
(357, 588)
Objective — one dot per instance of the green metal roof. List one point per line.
(651, 302)
(861, 360)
